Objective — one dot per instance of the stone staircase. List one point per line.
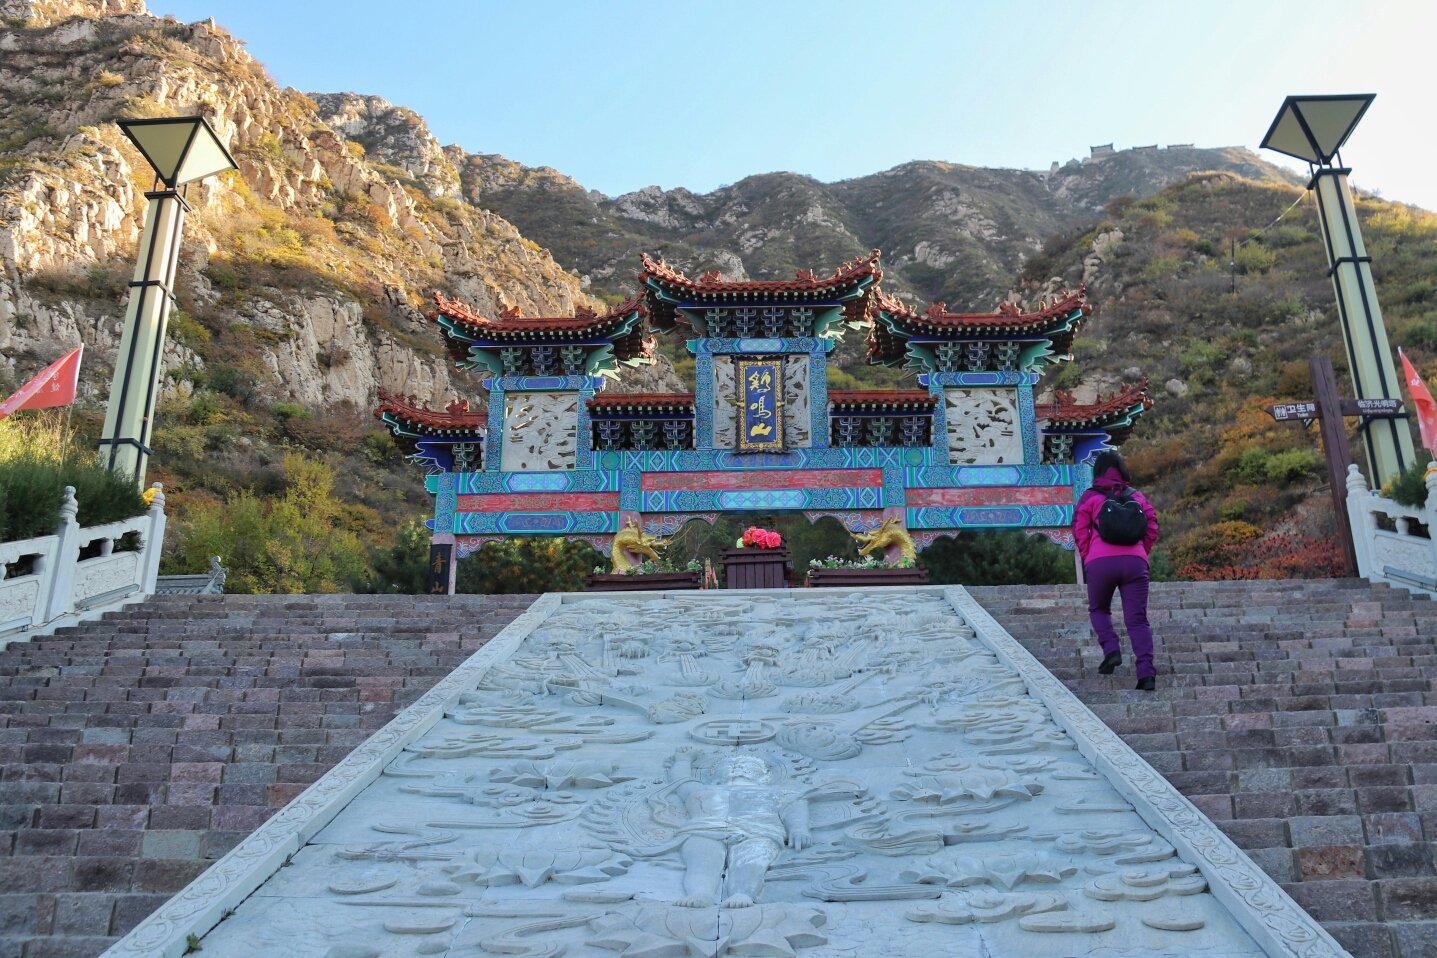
(1299, 715)
(137, 749)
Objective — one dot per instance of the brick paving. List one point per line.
(137, 750)
(1301, 716)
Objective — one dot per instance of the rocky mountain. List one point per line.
(948, 232)
(307, 269)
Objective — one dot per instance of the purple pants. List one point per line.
(1128, 575)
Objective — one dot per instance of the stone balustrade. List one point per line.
(78, 573)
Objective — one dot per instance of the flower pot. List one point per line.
(654, 581)
(756, 568)
(830, 578)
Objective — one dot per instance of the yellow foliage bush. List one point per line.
(280, 546)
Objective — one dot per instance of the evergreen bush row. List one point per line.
(38, 459)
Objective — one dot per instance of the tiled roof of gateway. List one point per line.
(859, 398)
(455, 417)
(864, 273)
(897, 322)
(618, 325)
(1117, 406)
(512, 323)
(615, 402)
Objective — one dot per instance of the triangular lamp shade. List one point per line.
(1313, 128)
(182, 149)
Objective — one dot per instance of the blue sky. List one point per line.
(621, 95)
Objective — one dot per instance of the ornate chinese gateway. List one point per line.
(557, 456)
(692, 775)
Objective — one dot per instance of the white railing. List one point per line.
(1394, 542)
(53, 586)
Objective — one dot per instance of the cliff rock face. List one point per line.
(307, 270)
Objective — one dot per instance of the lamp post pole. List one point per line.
(130, 418)
(1369, 355)
(1314, 128)
(181, 149)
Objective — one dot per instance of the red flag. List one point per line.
(55, 386)
(1422, 399)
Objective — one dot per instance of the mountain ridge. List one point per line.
(961, 234)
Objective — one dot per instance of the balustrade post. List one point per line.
(67, 556)
(1429, 508)
(1359, 514)
(154, 541)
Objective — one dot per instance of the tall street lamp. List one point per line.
(181, 149)
(1314, 128)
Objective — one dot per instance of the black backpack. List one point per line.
(1121, 519)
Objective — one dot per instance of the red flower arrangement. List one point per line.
(754, 537)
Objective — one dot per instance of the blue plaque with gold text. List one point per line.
(760, 405)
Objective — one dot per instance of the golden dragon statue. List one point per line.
(632, 541)
(890, 533)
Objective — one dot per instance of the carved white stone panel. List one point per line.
(540, 431)
(98, 576)
(18, 599)
(1409, 554)
(797, 407)
(725, 403)
(849, 774)
(983, 427)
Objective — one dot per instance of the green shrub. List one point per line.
(1162, 266)
(1257, 466)
(1422, 334)
(33, 493)
(289, 410)
(1409, 487)
(104, 496)
(205, 408)
(999, 557)
(1292, 465)
(402, 568)
(1285, 236)
(1202, 354)
(527, 565)
(38, 459)
(232, 381)
(1254, 259)
(1252, 465)
(282, 546)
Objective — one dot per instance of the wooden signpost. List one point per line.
(1329, 410)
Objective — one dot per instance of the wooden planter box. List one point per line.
(829, 578)
(657, 581)
(756, 568)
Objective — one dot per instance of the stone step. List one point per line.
(1300, 716)
(137, 749)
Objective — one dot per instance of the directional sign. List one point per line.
(1334, 437)
(1375, 408)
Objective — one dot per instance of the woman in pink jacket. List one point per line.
(1124, 568)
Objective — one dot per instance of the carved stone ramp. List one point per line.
(659, 775)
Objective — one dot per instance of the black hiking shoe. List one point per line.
(1110, 661)
(1146, 684)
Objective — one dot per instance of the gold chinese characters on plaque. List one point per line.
(760, 405)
